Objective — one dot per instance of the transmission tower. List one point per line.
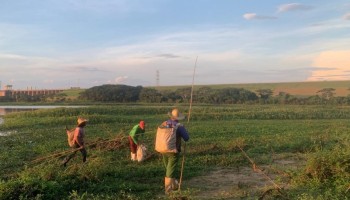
(157, 78)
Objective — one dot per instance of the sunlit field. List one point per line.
(294, 88)
(235, 152)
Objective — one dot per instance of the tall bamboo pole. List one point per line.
(188, 121)
(194, 72)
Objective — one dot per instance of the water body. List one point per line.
(10, 109)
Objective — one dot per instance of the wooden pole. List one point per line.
(191, 99)
(188, 121)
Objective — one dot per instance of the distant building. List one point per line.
(8, 91)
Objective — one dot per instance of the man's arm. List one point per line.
(184, 133)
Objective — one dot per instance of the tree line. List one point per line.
(206, 95)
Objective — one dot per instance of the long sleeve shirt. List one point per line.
(135, 132)
(181, 132)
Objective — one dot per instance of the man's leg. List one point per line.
(133, 149)
(84, 153)
(171, 165)
(165, 161)
(66, 159)
(170, 162)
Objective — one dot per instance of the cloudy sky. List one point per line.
(70, 43)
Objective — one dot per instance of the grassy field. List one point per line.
(293, 88)
(72, 94)
(298, 152)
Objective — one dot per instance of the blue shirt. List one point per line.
(181, 132)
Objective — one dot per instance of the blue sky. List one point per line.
(69, 43)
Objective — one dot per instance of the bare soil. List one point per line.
(243, 182)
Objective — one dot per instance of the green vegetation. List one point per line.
(297, 87)
(316, 137)
(72, 94)
(308, 93)
(207, 95)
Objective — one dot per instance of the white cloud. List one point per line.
(253, 16)
(120, 79)
(347, 16)
(331, 65)
(249, 16)
(293, 7)
(12, 56)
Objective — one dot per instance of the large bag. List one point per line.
(166, 139)
(70, 137)
(141, 152)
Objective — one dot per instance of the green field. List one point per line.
(72, 93)
(303, 152)
(293, 88)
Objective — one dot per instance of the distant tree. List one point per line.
(247, 96)
(170, 96)
(229, 95)
(150, 95)
(204, 95)
(6, 98)
(283, 97)
(237, 95)
(225, 95)
(59, 97)
(264, 94)
(29, 98)
(184, 93)
(315, 99)
(327, 93)
(112, 93)
(338, 100)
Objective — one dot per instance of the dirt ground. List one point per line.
(243, 182)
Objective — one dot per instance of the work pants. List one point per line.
(133, 146)
(70, 156)
(170, 161)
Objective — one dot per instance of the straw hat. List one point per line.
(175, 114)
(81, 120)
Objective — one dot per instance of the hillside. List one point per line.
(293, 88)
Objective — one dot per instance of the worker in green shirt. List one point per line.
(134, 135)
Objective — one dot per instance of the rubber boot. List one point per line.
(174, 184)
(168, 185)
(133, 156)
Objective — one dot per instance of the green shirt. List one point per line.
(135, 132)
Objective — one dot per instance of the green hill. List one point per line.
(293, 88)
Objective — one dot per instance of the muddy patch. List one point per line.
(242, 182)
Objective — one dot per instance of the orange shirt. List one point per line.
(79, 135)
